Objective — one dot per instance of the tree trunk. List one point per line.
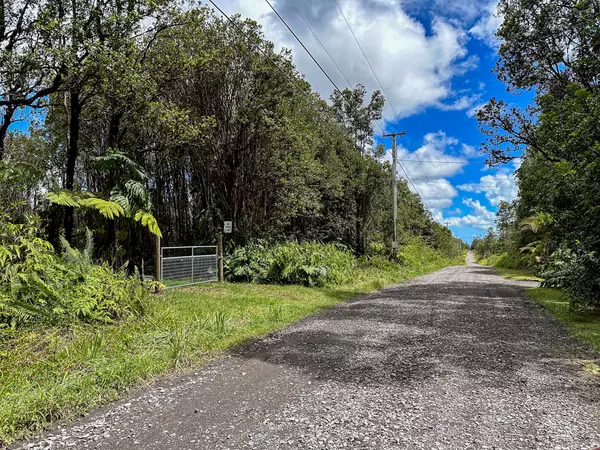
(72, 153)
(6, 121)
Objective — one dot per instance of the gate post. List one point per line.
(220, 256)
(157, 259)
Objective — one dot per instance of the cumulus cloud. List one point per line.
(434, 158)
(416, 66)
(429, 167)
(468, 151)
(486, 26)
(498, 187)
(480, 217)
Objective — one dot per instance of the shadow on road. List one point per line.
(410, 333)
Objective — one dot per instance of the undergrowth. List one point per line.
(52, 372)
(38, 286)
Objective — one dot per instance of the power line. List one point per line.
(382, 90)
(321, 44)
(366, 59)
(333, 83)
(303, 46)
(241, 30)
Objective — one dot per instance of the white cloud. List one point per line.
(497, 187)
(465, 10)
(429, 167)
(438, 194)
(468, 151)
(415, 66)
(480, 217)
(486, 26)
(433, 159)
(474, 109)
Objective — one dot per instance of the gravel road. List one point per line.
(458, 359)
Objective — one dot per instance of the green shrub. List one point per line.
(578, 272)
(308, 263)
(36, 285)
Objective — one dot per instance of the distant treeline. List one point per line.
(144, 118)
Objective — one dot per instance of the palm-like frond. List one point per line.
(115, 162)
(536, 223)
(109, 209)
(138, 192)
(64, 197)
(119, 197)
(148, 221)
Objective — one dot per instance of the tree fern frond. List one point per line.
(121, 199)
(64, 197)
(116, 161)
(138, 192)
(149, 221)
(109, 209)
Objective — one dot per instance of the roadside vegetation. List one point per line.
(54, 370)
(163, 120)
(582, 326)
(552, 228)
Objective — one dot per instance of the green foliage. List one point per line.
(37, 286)
(148, 221)
(557, 137)
(83, 199)
(318, 264)
(577, 271)
(308, 263)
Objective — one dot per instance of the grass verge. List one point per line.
(515, 274)
(582, 326)
(50, 374)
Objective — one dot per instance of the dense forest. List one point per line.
(553, 49)
(141, 118)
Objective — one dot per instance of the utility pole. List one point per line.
(394, 191)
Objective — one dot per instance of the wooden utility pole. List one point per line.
(157, 259)
(394, 191)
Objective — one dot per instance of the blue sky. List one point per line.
(434, 60)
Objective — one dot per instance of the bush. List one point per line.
(36, 285)
(308, 263)
(578, 272)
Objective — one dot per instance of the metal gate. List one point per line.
(184, 266)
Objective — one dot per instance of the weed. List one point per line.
(179, 343)
(220, 322)
(275, 313)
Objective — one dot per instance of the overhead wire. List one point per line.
(302, 90)
(336, 87)
(380, 86)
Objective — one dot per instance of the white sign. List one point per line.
(395, 245)
(227, 226)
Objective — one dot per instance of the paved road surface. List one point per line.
(458, 359)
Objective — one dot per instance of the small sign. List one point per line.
(227, 226)
(395, 245)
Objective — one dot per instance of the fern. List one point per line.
(109, 209)
(148, 221)
(116, 161)
(64, 197)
